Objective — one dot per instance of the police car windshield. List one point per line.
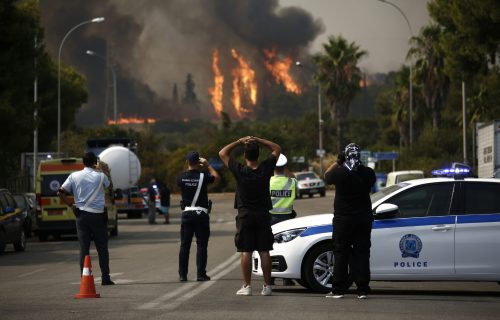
(304, 176)
(386, 191)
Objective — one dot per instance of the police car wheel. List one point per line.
(20, 244)
(318, 268)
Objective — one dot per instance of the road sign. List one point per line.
(364, 156)
(385, 155)
(320, 152)
(299, 159)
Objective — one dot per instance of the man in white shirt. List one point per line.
(87, 187)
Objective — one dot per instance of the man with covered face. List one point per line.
(352, 222)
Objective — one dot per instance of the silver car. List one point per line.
(309, 183)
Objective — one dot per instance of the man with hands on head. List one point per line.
(253, 222)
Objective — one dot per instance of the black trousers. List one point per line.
(351, 250)
(93, 225)
(199, 226)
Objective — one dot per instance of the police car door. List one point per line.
(419, 241)
(477, 235)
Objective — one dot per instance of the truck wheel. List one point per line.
(42, 236)
(2, 242)
(20, 243)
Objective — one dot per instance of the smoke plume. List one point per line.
(154, 44)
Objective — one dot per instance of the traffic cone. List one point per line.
(87, 286)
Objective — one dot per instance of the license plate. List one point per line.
(313, 190)
(54, 212)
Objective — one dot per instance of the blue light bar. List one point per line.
(450, 172)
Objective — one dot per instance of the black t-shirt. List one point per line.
(253, 185)
(188, 182)
(352, 190)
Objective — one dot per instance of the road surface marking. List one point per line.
(30, 273)
(185, 292)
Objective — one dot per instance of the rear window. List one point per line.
(408, 176)
(51, 183)
(482, 198)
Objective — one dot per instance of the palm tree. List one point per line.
(426, 48)
(339, 77)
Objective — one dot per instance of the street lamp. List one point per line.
(92, 53)
(411, 67)
(96, 20)
(320, 152)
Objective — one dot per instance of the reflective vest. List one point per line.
(282, 194)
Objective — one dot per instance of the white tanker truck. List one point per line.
(125, 170)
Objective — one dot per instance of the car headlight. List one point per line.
(288, 235)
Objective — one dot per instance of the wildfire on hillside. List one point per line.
(244, 83)
(216, 92)
(280, 68)
(131, 120)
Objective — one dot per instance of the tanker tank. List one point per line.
(124, 164)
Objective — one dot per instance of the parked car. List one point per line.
(396, 177)
(309, 183)
(25, 202)
(11, 223)
(433, 229)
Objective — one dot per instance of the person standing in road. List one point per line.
(352, 222)
(253, 225)
(87, 187)
(165, 201)
(195, 213)
(152, 202)
(283, 186)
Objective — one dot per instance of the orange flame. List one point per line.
(216, 91)
(131, 120)
(279, 69)
(243, 78)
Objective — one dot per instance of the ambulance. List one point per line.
(54, 217)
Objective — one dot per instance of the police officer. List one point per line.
(283, 188)
(195, 219)
(352, 221)
(283, 192)
(87, 187)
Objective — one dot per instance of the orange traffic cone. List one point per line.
(87, 286)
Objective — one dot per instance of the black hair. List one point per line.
(252, 151)
(89, 159)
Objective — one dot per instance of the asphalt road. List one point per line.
(41, 282)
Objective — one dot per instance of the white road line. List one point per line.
(185, 292)
(30, 273)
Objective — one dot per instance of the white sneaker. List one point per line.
(244, 291)
(266, 290)
(362, 296)
(334, 295)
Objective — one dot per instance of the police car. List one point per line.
(433, 229)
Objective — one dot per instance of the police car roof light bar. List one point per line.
(457, 173)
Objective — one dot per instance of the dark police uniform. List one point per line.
(195, 221)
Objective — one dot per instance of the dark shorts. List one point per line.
(253, 231)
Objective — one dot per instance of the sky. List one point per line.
(376, 27)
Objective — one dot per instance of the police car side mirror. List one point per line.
(386, 211)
